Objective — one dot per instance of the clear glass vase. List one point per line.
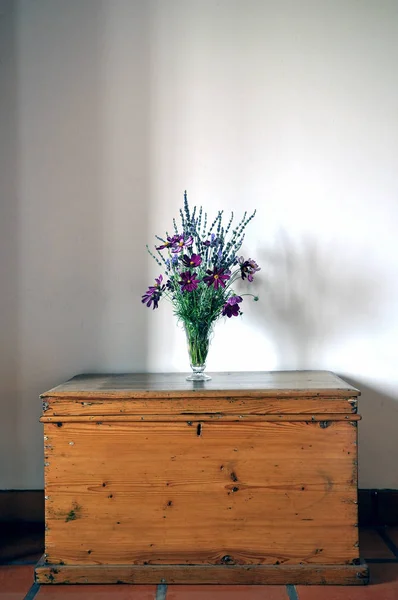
(198, 336)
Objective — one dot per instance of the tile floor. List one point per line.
(19, 553)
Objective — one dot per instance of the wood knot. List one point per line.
(227, 560)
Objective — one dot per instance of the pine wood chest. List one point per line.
(247, 478)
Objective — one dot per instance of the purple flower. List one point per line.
(213, 241)
(248, 268)
(170, 242)
(192, 261)
(154, 293)
(180, 243)
(216, 277)
(231, 308)
(234, 300)
(188, 281)
(158, 284)
(151, 296)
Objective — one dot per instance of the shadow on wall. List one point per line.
(311, 295)
(378, 439)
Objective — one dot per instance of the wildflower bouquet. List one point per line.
(201, 264)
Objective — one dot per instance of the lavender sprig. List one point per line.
(201, 266)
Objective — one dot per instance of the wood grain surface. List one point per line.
(204, 574)
(248, 478)
(158, 408)
(255, 384)
(182, 493)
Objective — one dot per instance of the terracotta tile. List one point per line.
(15, 580)
(332, 592)
(371, 545)
(96, 592)
(227, 592)
(383, 586)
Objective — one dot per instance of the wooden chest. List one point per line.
(247, 478)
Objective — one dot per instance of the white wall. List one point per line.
(109, 109)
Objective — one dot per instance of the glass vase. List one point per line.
(198, 336)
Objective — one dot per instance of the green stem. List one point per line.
(198, 339)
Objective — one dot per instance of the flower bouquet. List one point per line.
(201, 264)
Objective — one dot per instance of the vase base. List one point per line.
(198, 377)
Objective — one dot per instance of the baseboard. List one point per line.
(376, 507)
(22, 506)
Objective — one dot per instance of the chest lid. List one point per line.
(153, 396)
